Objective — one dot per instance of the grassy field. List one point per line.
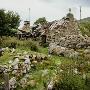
(50, 69)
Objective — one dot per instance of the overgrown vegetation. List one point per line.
(13, 42)
(56, 68)
(41, 21)
(85, 27)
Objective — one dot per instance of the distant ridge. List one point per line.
(85, 19)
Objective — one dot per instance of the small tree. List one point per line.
(8, 21)
(41, 21)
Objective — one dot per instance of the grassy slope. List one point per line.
(85, 26)
(51, 65)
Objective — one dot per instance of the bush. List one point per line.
(9, 21)
(70, 82)
(8, 42)
(34, 47)
(45, 45)
(28, 44)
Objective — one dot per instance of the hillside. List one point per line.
(85, 26)
(85, 19)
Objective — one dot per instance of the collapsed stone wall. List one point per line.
(18, 71)
(63, 51)
(74, 41)
(61, 28)
(66, 33)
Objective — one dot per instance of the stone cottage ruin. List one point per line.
(25, 31)
(65, 33)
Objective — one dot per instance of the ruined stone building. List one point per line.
(26, 26)
(61, 28)
(24, 31)
(65, 32)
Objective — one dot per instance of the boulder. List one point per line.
(23, 82)
(50, 85)
(12, 83)
(87, 51)
(71, 53)
(56, 49)
(63, 51)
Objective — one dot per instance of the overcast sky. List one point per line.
(51, 9)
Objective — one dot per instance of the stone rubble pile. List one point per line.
(68, 52)
(12, 83)
(66, 33)
(19, 68)
(87, 51)
(63, 38)
(74, 41)
(63, 51)
(2, 50)
(62, 28)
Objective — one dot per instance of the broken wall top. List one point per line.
(67, 25)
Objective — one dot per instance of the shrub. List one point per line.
(70, 82)
(34, 47)
(9, 42)
(13, 42)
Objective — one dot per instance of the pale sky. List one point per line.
(51, 9)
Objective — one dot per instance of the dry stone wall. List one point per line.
(63, 27)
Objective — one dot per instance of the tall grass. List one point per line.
(13, 42)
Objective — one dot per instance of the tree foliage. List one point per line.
(41, 21)
(9, 21)
(70, 15)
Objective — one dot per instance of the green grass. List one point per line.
(5, 58)
(43, 50)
